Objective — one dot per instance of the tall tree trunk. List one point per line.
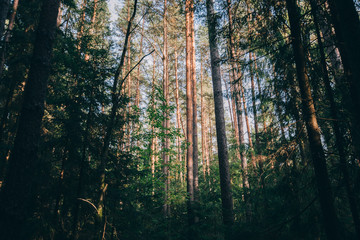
(203, 119)
(251, 69)
(233, 108)
(115, 93)
(226, 195)
(137, 96)
(178, 123)
(166, 123)
(316, 148)
(189, 115)
(251, 146)
(339, 139)
(228, 98)
(153, 138)
(18, 195)
(347, 27)
(194, 94)
(237, 96)
(129, 87)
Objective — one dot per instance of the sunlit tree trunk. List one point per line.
(194, 95)
(189, 114)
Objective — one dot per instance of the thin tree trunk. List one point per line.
(242, 92)
(137, 97)
(233, 108)
(116, 90)
(210, 138)
(226, 195)
(153, 138)
(203, 132)
(237, 96)
(18, 195)
(253, 97)
(227, 94)
(189, 116)
(178, 123)
(194, 95)
(317, 151)
(166, 123)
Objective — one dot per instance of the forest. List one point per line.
(179, 119)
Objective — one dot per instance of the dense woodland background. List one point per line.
(238, 119)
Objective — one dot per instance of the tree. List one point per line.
(189, 5)
(226, 195)
(316, 148)
(18, 195)
(347, 27)
(166, 122)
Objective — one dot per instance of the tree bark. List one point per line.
(317, 152)
(166, 123)
(18, 195)
(204, 150)
(194, 95)
(189, 115)
(226, 195)
(178, 122)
